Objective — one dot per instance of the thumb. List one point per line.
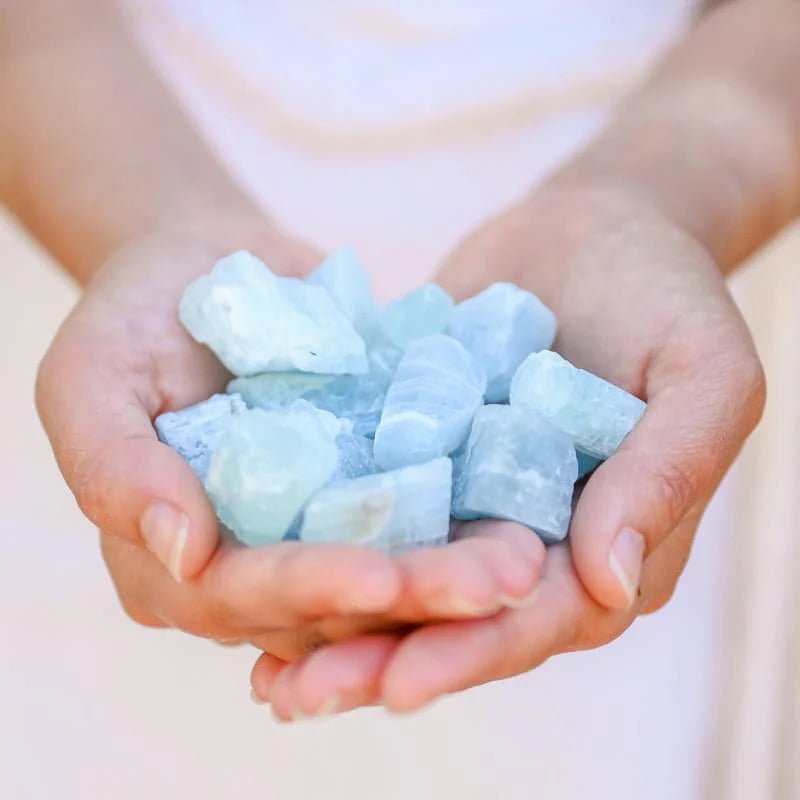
(670, 464)
(126, 481)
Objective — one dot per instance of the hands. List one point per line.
(642, 304)
(119, 360)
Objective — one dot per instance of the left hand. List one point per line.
(642, 304)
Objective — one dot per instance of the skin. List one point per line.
(628, 243)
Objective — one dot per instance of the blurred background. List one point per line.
(700, 700)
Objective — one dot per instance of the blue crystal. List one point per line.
(392, 511)
(424, 312)
(518, 467)
(257, 322)
(194, 432)
(500, 327)
(267, 466)
(595, 413)
(429, 407)
(355, 455)
(587, 464)
(358, 398)
(347, 282)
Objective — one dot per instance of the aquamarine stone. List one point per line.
(517, 466)
(500, 327)
(257, 322)
(355, 455)
(347, 282)
(595, 413)
(358, 398)
(424, 312)
(266, 467)
(587, 464)
(194, 432)
(429, 407)
(392, 511)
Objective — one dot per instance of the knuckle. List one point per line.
(84, 472)
(676, 488)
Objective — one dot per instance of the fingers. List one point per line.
(493, 565)
(245, 592)
(339, 678)
(671, 463)
(406, 674)
(450, 657)
(123, 478)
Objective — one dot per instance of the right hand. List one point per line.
(120, 359)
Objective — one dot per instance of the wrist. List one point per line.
(709, 155)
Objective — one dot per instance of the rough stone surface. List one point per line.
(429, 407)
(517, 466)
(424, 312)
(392, 511)
(194, 432)
(267, 466)
(595, 413)
(587, 464)
(358, 398)
(500, 327)
(257, 322)
(347, 282)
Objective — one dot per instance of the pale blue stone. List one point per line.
(517, 466)
(347, 282)
(267, 466)
(358, 398)
(595, 413)
(194, 432)
(392, 511)
(257, 322)
(429, 407)
(587, 464)
(383, 358)
(500, 327)
(355, 455)
(424, 312)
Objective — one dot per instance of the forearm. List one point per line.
(94, 150)
(713, 139)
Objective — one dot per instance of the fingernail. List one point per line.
(330, 706)
(459, 607)
(165, 530)
(524, 602)
(256, 699)
(625, 561)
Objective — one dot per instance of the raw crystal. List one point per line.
(347, 282)
(587, 464)
(267, 466)
(424, 312)
(500, 327)
(358, 398)
(430, 404)
(355, 455)
(391, 511)
(517, 466)
(595, 413)
(257, 322)
(194, 432)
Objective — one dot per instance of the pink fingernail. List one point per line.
(165, 530)
(625, 561)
